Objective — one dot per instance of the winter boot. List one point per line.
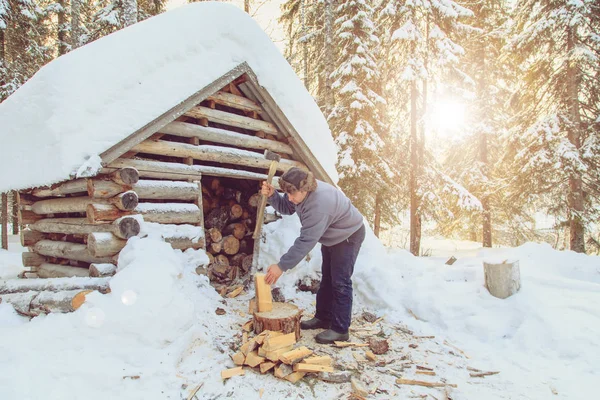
(315, 323)
(329, 336)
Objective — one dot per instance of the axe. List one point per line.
(274, 158)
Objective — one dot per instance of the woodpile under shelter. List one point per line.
(179, 146)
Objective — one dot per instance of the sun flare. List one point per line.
(447, 119)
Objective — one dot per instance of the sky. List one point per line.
(265, 12)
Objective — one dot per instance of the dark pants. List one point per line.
(334, 298)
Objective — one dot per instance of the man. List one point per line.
(328, 217)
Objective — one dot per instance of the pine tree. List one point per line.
(555, 145)
(112, 16)
(355, 120)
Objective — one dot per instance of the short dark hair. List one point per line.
(296, 179)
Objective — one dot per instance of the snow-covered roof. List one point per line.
(85, 102)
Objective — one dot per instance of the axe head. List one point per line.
(269, 155)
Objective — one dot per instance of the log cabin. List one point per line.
(190, 162)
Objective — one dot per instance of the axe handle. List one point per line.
(263, 202)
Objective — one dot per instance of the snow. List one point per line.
(159, 324)
(82, 103)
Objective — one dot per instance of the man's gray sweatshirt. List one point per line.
(327, 216)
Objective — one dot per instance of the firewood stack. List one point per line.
(229, 220)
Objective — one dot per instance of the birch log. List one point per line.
(102, 270)
(502, 280)
(61, 189)
(35, 303)
(104, 244)
(169, 213)
(54, 285)
(32, 259)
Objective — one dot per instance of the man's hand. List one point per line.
(267, 189)
(273, 274)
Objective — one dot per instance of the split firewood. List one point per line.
(249, 346)
(295, 376)
(303, 367)
(279, 342)
(266, 366)
(264, 334)
(253, 359)
(402, 381)
(295, 356)
(228, 373)
(238, 358)
(318, 360)
(447, 343)
(370, 355)
(248, 326)
(244, 337)
(275, 355)
(252, 305)
(263, 294)
(283, 370)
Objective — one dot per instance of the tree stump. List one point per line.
(284, 317)
(502, 280)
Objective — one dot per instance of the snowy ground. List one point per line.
(157, 336)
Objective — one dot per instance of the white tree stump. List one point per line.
(502, 279)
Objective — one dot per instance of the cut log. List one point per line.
(98, 213)
(123, 201)
(176, 171)
(102, 244)
(29, 217)
(295, 356)
(102, 189)
(214, 234)
(30, 237)
(32, 259)
(237, 229)
(231, 245)
(303, 367)
(222, 260)
(228, 373)
(61, 271)
(166, 190)
(124, 227)
(216, 247)
(55, 285)
(125, 176)
(210, 153)
(225, 118)
(502, 280)
(263, 297)
(223, 136)
(36, 303)
(247, 262)
(61, 189)
(71, 251)
(102, 270)
(170, 213)
(183, 243)
(237, 260)
(217, 218)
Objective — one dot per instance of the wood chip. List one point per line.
(447, 343)
(235, 292)
(358, 388)
(238, 358)
(424, 368)
(261, 392)
(319, 360)
(278, 342)
(248, 326)
(402, 381)
(349, 344)
(220, 311)
(295, 376)
(283, 370)
(370, 355)
(253, 359)
(483, 374)
(228, 373)
(296, 355)
(430, 373)
(266, 366)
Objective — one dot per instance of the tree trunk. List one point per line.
(576, 196)
(415, 220)
(4, 221)
(62, 28)
(75, 23)
(15, 213)
(483, 148)
(304, 43)
(247, 6)
(329, 64)
(130, 12)
(377, 222)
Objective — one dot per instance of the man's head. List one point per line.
(297, 183)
